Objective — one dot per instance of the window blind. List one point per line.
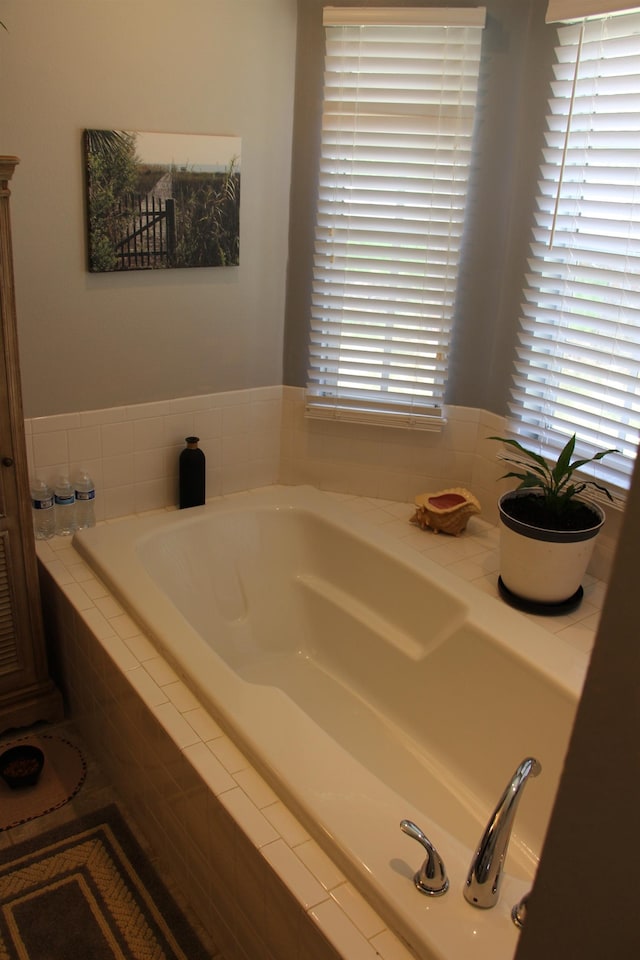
(558, 10)
(397, 125)
(578, 357)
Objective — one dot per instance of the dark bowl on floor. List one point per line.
(21, 766)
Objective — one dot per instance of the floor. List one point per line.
(95, 792)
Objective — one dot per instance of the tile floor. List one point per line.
(95, 792)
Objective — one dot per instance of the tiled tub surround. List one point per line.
(257, 437)
(132, 452)
(258, 881)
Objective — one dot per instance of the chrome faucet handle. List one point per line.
(431, 878)
(519, 911)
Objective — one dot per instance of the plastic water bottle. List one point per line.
(42, 509)
(85, 495)
(65, 507)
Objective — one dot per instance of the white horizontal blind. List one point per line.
(578, 359)
(567, 10)
(397, 125)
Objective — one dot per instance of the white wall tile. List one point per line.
(247, 815)
(88, 418)
(154, 494)
(236, 420)
(288, 826)
(181, 697)
(151, 464)
(50, 448)
(257, 437)
(358, 910)
(149, 691)
(257, 789)
(342, 932)
(228, 754)
(148, 433)
(321, 865)
(118, 502)
(160, 671)
(294, 873)
(118, 471)
(85, 443)
(207, 424)
(176, 726)
(389, 947)
(117, 439)
(217, 778)
(203, 723)
(63, 421)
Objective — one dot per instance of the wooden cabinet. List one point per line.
(27, 693)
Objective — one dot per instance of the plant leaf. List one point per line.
(532, 470)
(562, 467)
(528, 453)
(592, 483)
(526, 479)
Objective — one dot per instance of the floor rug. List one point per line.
(63, 774)
(87, 890)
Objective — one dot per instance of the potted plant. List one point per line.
(547, 529)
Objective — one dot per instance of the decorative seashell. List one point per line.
(447, 510)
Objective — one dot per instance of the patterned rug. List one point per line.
(63, 774)
(87, 890)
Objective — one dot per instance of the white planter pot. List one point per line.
(544, 566)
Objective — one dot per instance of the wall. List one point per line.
(517, 46)
(92, 341)
(132, 451)
(253, 438)
(584, 903)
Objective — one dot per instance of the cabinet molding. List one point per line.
(27, 692)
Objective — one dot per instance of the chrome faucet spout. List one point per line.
(482, 888)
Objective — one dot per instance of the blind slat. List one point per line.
(564, 10)
(407, 16)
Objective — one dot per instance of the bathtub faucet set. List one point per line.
(431, 878)
(482, 886)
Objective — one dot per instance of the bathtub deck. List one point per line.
(334, 907)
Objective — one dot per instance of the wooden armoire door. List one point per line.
(27, 693)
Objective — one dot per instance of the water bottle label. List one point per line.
(45, 504)
(85, 494)
(64, 501)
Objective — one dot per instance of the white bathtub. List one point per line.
(366, 683)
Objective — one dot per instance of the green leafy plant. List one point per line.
(111, 168)
(554, 503)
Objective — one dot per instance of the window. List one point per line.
(578, 356)
(399, 98)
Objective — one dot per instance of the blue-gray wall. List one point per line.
(221, 67)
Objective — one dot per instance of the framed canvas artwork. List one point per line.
(157, 201)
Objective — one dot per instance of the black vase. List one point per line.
(192, 474)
